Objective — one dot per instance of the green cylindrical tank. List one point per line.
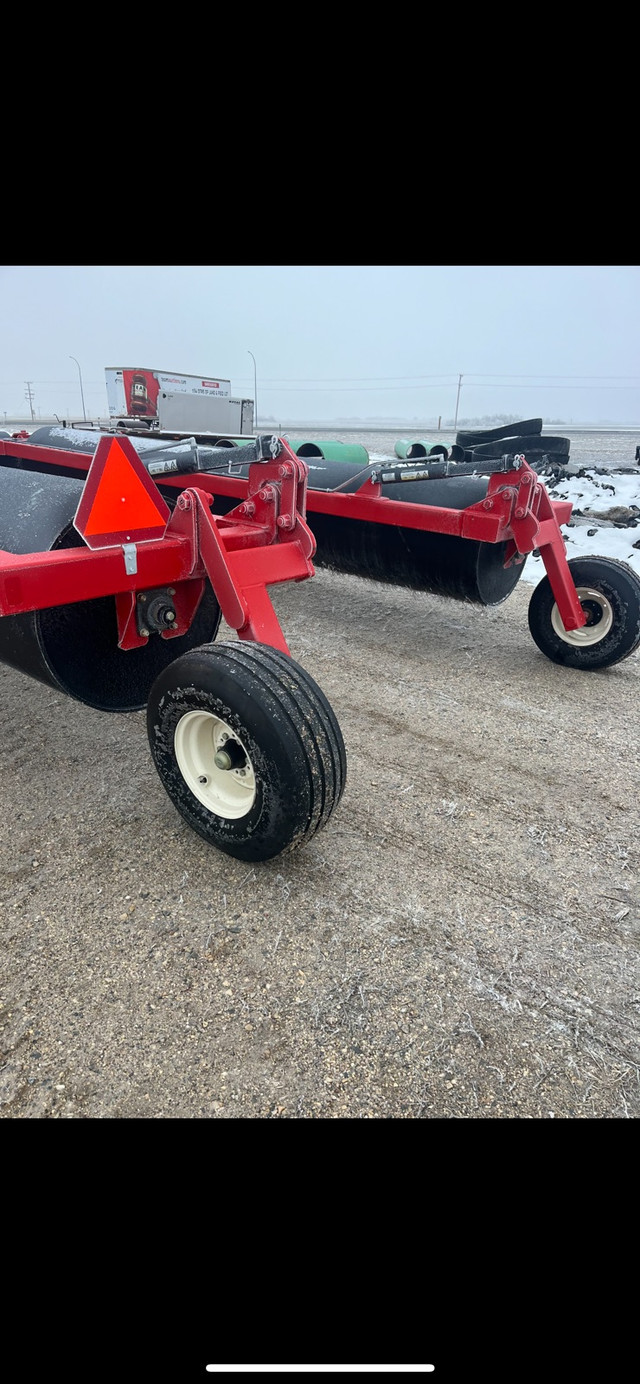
(405, 449)
(332, 451)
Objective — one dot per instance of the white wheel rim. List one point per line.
(588, 634)
(199, 737)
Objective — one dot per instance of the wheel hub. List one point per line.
(214, 764)
(599, 616)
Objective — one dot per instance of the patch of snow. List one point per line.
(598, 492)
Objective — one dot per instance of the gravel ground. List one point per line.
(460, 942)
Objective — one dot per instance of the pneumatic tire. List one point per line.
(247, 748)
(609, 592)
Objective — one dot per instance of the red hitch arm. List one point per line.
(531, 520)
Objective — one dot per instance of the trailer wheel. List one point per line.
(247, 747)
(609, 592)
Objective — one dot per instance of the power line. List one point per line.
(8, 384)
(379, 389)
(474, 384)
(546, 376)
(451, 375)
(302, 379)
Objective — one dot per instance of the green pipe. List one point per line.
(332, 451)
(419, 447)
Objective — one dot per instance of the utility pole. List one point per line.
(29, 396)
(84, 411)
(255, 390)
(455, 421)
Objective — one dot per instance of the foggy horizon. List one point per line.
(364, 345)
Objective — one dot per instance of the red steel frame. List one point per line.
(266, 540)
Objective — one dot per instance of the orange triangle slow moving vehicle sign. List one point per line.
(119, 503)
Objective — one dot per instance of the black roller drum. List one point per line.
(461, 568)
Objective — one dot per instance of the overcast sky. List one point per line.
(332, 341)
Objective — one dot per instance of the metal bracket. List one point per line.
(130, 558)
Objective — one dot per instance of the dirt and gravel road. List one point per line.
(460, 942)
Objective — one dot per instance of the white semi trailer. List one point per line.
(168, 401)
